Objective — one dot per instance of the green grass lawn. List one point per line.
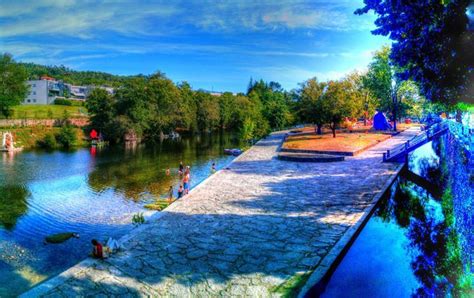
(47, 112)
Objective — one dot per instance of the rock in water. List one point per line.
(60, 237)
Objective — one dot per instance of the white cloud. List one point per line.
(88, 19)
(85, 19)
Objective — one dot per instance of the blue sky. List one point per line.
(215, 45)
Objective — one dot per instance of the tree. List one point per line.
(339, 101)
(13, 87)
(274, 107)
(207, 111)
(432, 45)
(101, 109)
(310, 106)
(66, 136)
(378, 79)
(384, 84)
(226, 110)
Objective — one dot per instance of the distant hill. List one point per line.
(35, 71)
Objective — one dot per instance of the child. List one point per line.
(181, 168)
(170, 194)
(167, 172)
(213, 167)
(180, 191)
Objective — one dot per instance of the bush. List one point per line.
(67, 136)
(48, 142)
(62, 102)
(68, 102)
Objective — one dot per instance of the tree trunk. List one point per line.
(395, 116)
(333, 128)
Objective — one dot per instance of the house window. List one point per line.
(34, 100)
(34, 92)
(34, 85)
(28, 100)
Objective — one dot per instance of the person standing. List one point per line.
(180, 191)
(170, 194)
(186, 180)
(181, 168)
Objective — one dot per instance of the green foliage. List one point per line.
(62, 102)
(378, 79)
(66, 136)
(101, 109)
(138, 219)
(35, 71)
(247, 131)
(292, 286)
(339, 100)
(48, 142)
(158, 205)
(310, 103)
(13, 87)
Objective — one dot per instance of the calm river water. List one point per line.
(91, 193)
(420, 240)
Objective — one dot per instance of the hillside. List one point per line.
(35, 71)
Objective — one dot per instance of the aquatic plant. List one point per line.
(158, 205)
(138, 219)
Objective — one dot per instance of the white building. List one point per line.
(46, 90)
(42, 92)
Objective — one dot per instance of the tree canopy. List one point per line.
(432, 45)
(13, 87)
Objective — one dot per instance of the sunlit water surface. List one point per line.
(92, 193)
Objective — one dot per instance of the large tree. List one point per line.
(379, 77)
(433, 44)
(310, 106)
(339, 101)
(100, 106)
(13, 87)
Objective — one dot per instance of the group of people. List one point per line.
(185, 175)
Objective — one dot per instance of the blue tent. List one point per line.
(380, 122)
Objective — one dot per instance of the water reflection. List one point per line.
(12, 204)
(415, 244)
(93, 193)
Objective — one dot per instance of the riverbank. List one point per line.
(27, 137)
(265, 235)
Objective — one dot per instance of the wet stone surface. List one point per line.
(243, 232)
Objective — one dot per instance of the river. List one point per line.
(420, 240)
(93, 193)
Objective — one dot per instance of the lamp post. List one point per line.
(394, 104)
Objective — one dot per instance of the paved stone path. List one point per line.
(242, 232)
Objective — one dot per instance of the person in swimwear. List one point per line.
(97, 251)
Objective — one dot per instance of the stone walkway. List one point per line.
(243, 232)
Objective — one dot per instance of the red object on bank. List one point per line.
(93, 134)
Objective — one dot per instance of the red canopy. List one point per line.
(93, 134)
